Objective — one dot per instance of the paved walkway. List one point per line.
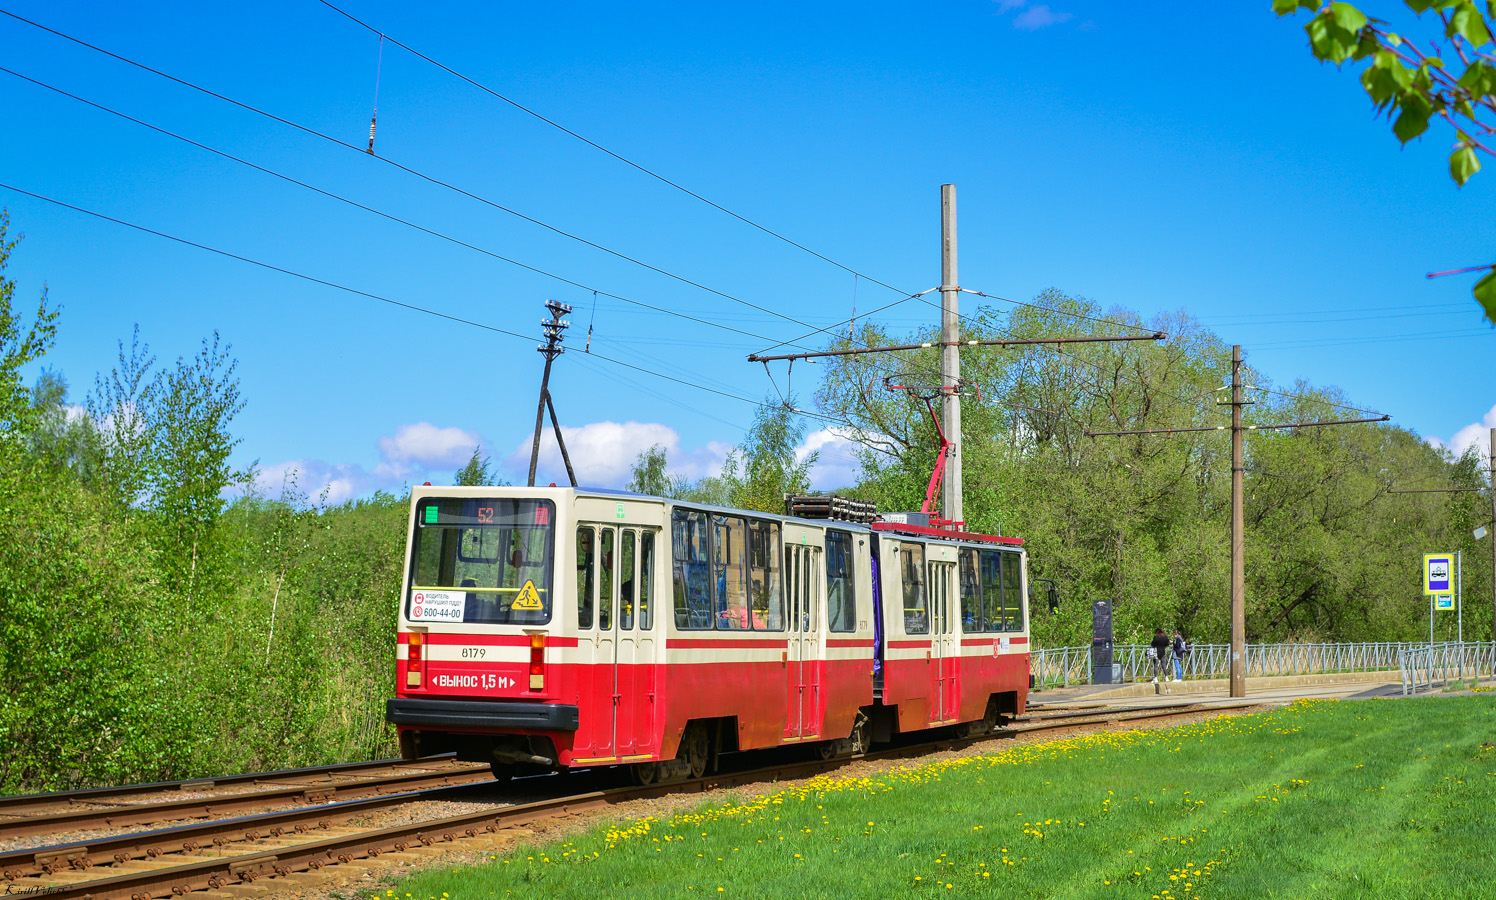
(1269, 690)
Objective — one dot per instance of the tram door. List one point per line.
(635, 621)
(944, 643)
(802, 580)
(605, 686)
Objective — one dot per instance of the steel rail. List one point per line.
(123, 848)
(9, 805)
(219, 872)
(202, 807)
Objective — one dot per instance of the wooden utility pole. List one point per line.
(950, 359)
(1238, 529)
(1238, 539)
(554, 334)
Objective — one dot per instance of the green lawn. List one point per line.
(1390, 798)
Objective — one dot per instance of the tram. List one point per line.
(553, 628)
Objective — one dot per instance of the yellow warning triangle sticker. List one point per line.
(528, 598)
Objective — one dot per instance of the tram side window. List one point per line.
(605, 579)
(730, 572)
(763, 566)
(626, 585)
(691, 575)
(841, 598)
(971, 595)
(645, 581)
(992, 590)
(1012, 592)
(584, 577)
(912, 561)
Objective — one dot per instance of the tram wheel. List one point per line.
(646, 774)
(826, 749)
(503, 773)
(696, 748)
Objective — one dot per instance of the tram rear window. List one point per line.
(484, 561)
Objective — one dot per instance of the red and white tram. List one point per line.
(553, 628)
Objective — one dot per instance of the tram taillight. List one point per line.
(537, 662)
(413, 661)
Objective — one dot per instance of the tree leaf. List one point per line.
(1413, 119)
(1328, 40)
(1462, 164)
(1466, 21)
(1289, 7)
(1350, 18)
(1485, 292)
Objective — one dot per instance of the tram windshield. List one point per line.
(485, 561)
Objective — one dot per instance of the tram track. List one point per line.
(272, 848)
(110, 807)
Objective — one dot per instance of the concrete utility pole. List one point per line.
(1493, 534)
(950, 359)
(554, 334)
(1238, 542)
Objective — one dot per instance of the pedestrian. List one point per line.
(1180, 649)
(1158, 651)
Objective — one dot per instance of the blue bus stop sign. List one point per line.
(1438, 573)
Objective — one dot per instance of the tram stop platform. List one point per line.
(1276, 689)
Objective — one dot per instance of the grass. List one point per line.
(1321, 799)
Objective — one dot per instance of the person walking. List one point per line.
(1180, 648)
(1158, 651)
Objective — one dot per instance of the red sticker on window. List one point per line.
(542, 515)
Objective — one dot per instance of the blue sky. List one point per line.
(1145, 157)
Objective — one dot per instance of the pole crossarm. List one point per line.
(1014, 342)
(1244, 428)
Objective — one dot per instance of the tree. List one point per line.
(764, 468)
(477, 471)
(192, 406)
(650, 475)
(1455, 82)
(19, 344)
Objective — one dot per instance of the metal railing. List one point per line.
(1426, 665)
(1064, 666)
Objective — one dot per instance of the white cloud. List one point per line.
(1476, 434)
(838, 466)
(319, 482)
(425, 445)
(603, 454)
(1040, 16)
(414, 453)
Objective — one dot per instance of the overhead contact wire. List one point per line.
(362, 293)
(418, 174)
(591, 143)
(369, 209)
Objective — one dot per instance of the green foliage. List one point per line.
(477, 472)
(1415, 86)
(151, 630)
(763, 469)
(19, 345)
(756, 475)
(1144, 521)
(650, 475)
